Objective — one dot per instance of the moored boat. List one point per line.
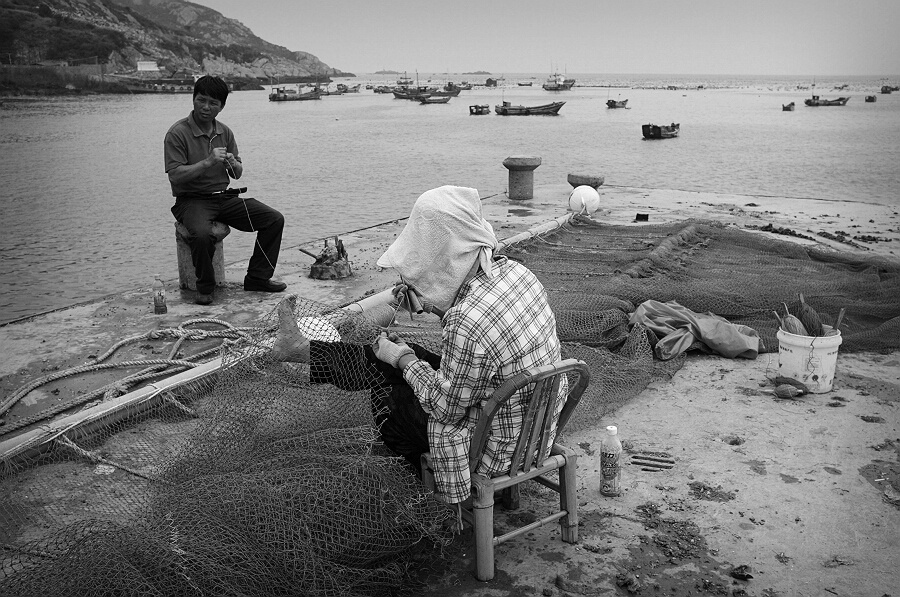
(870, 99)
(557, 82)
(524, 83)
(284, 94)
(434, 99)
(788, 107)
(886, 89)
(616, 103)
(655, 131)
(507, 109)
(348, 88)
(478, 109)
(817, 101)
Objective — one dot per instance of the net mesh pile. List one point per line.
(259, 482)
(589, 267)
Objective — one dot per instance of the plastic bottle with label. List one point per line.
(610, 463)
(159, 296)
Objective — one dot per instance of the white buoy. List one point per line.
(584, 200)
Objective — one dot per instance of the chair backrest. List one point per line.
(538, 422)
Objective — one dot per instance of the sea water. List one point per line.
(85, 199)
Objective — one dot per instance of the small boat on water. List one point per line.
(654, 131)
(870, 99)
(616, 103)
(413, 93)
(788, 107)
(348, 88)
(817, 101)
(452, 88)
(557, 82)
(886, 89)
(434, 99)
(479, 109)
(524, 83)
(507, 109)
(283, 94)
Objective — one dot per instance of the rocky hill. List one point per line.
(178, 35)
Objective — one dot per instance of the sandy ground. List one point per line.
(805, 494)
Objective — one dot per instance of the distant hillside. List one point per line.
(178, 35)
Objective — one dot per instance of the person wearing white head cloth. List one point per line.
(495, 320)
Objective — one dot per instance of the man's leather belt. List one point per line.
(226, 192)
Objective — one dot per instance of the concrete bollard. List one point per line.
(521, 175)
(187, 275)
(591, 180)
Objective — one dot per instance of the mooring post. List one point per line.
(591, 180)
(521, 175)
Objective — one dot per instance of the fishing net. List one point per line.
(266, 484)
(264, 480)
(589, 268)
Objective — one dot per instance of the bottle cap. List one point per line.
(612, 430)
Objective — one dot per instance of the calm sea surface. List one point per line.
(85, 201)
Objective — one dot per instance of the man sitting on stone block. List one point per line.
(201, 158)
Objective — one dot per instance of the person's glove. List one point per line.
(391, 350)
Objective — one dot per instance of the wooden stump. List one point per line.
(187, 275)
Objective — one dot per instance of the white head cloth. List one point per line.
(444, 236)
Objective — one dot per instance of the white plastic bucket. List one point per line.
(809, 359)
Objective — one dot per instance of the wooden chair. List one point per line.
(478, 511)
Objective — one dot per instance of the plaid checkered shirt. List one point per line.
(499, 326)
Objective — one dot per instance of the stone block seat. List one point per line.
(591, 180)
(187, 276)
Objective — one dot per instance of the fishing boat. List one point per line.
(404, 81)
(284, 94)
(452, 88)
(655, 131)
(870, 99)
(453, 92)
(434, 99)
(557, 82)
(479, 109)
(412, 93)
(886, 89)
(507, 109)
(788, 107)
(616, 103)
(348, 88)
(524, 83)
(817, 101)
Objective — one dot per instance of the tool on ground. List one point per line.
(653, 463)
(332, 263)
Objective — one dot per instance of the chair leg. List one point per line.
(511, 497)
(483, 510)
(568, 497)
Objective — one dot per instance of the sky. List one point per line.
(724, 37)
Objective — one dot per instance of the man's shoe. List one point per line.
(203, 299)
(263, 285)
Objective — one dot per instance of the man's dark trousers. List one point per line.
(197, 213)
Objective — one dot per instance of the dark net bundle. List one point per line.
(709, 268)
(281, 487)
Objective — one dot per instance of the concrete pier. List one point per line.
(521, 175)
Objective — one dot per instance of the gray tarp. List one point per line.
(679, 329)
